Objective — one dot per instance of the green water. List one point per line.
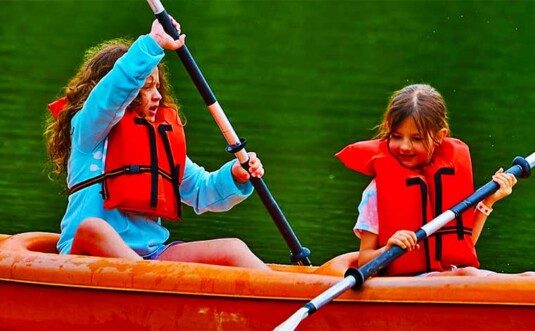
(299, 80)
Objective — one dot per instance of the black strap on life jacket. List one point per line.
(438, 199)
(175, 170)
(125, 170)
(153, 168)
(423, 194)
(459, 228)
(153, 161)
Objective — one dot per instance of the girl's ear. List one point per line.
(441, 134)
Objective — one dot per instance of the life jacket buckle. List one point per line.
(132, 169)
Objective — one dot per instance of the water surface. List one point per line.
(299, 80)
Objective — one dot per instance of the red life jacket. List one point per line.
(144, 165)
(408, 199)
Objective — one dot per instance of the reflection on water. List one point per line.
(299, 80)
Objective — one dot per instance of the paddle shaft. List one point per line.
(354, 278)
(299, 254)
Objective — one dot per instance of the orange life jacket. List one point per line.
(407, 199)
(144, 165)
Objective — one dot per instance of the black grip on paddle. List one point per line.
(380, 262)
(298, 253)
(167, 24)
(188, 61)
(357, 274)
(524, 165)
(311, 308)
(520, 169)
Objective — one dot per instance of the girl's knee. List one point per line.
(522, 274)
(92, 226)
(95, 236)
(85, 235)
(472, 271)
(234, 249)
(237, 253)
(528, 274)
(466, 271)
(234, 244)
(91, 231)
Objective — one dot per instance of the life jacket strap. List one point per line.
(448, 230)
(126, 170)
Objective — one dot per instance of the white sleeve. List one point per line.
(368, 219)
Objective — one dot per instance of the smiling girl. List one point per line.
(419, 172)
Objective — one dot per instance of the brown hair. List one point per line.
(98, 61)
(420, 102)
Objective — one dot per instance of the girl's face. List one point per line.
(409, 147)
(150, 97)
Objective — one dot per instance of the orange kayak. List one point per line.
(42, 289)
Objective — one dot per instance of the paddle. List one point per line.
(354, 278)
(236, 146)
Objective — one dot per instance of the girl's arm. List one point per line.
(369, 247)
(214, 191)
(367, 229)
(108, 100)
(506, 182)
(369, 244)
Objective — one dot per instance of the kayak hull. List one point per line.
(40, 287)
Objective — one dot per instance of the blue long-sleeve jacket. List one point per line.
(105, 106)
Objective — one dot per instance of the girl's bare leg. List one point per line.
(228, 252)
(96, 237)
(471, 271)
